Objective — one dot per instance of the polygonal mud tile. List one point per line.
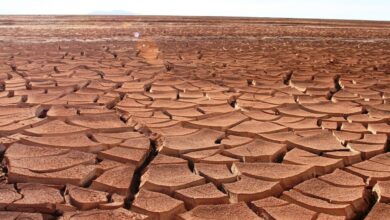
(18, 150)
(216, 109)
(78, 175)
(164, 159)
(305, 124)
(330, 125)
(354, 127)
(274, 208)
(257, 151)
(20, 125)
(320, 196)
(170, 104)
(318, 143)
(253, 128)
(189, 112)
(55, 127)
(220, 122)
(119, 135)
(367, 150)
(125, 155)
(51, 163)
(379, 128)
(248, 189)
(234, 141)
(137, 143)
(36, 198)
(348, 157)
(288, 175)
(322, 216)
(219, 159)
(288, 120)
(261, 115)
(117, 201)
(116, 180)
(174, 130)
(382, 190)
(318, 205)
(372, 139)
(375, 169)
(380, 211)
(167, 178)
(197, 156)
(120, 214)
(279, 137)
(334, 109)
(8, 195)
(5, 215)
(345, 136)
(343, 179)
(206, 194)
(363, 118)
(109, 122)
(236, 211)
(157, 205)
(215, 173)
(105, 165)
(297, 111)
(58, 111)
(76, 141)
(201, 140)
(84, 198)
(322, 165)
(255, 105)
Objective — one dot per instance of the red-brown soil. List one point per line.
(198, 118)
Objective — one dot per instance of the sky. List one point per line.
(328, 9)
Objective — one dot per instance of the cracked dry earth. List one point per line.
(196, 119)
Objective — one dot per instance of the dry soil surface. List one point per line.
(196, 118)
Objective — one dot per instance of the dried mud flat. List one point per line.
(198, 118)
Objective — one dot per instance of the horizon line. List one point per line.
(204, 16)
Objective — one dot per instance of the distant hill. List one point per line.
(113, 12)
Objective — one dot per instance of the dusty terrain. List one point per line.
(197, 118)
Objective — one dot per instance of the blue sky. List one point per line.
(337, 9)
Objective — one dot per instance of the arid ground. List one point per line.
(193, 118)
